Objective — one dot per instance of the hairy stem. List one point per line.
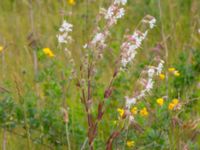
(164, 38)
(67, 134)
(4, 140)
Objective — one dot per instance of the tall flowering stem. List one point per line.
(96, 47)
(134, 41)
(148, 84)
(130, 101)
(63, 36)
(111, 17)
(128, 52)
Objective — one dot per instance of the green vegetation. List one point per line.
(42, 104)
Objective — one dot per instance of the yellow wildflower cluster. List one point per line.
(48, 52)
(71, 2)
(144, 112)
(162, 76)
(1, 48)
(173, 104)
(174, 71)
(130, 143)
(160, 101)
(134, 110)
(171, 69)
(121, 112)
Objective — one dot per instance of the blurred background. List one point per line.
(29, 25)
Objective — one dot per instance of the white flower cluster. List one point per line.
(160, 67)
(128, 48)
(149, 84)
(114, 12)
(64, 36)
(111, 16)
(151, 72)
(99, 39)
(130, 101)
(123, 2)
(152, 23)
(150, 20)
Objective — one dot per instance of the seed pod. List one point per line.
(65, 115)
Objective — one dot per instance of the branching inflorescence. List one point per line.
(128, 51)
(65, 29)
(111, 16)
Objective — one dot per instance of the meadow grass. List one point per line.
(176, 30)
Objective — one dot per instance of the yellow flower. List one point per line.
(121, 112)
(48, 52)
(1, 48)
(71, 2)
(144, 112)
(176, 73)
(162, 76)
(171, 106)
(175, 101)
(134, 110)
(171, 69)
(160, 101)
(130, 143)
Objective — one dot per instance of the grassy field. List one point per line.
(36, 91)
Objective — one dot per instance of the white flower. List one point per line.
(113, 14)
(149, 85)
(99, 37)
(110, 12)
(151, 72)
(131, 119)
(123, 2)
(160, 67)
(139, 38)
(152, 23)
(66, 27)
(130, 101)
(64, 38)
(120, 13)
(128, 48)
(61, 39)
(199, 31)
